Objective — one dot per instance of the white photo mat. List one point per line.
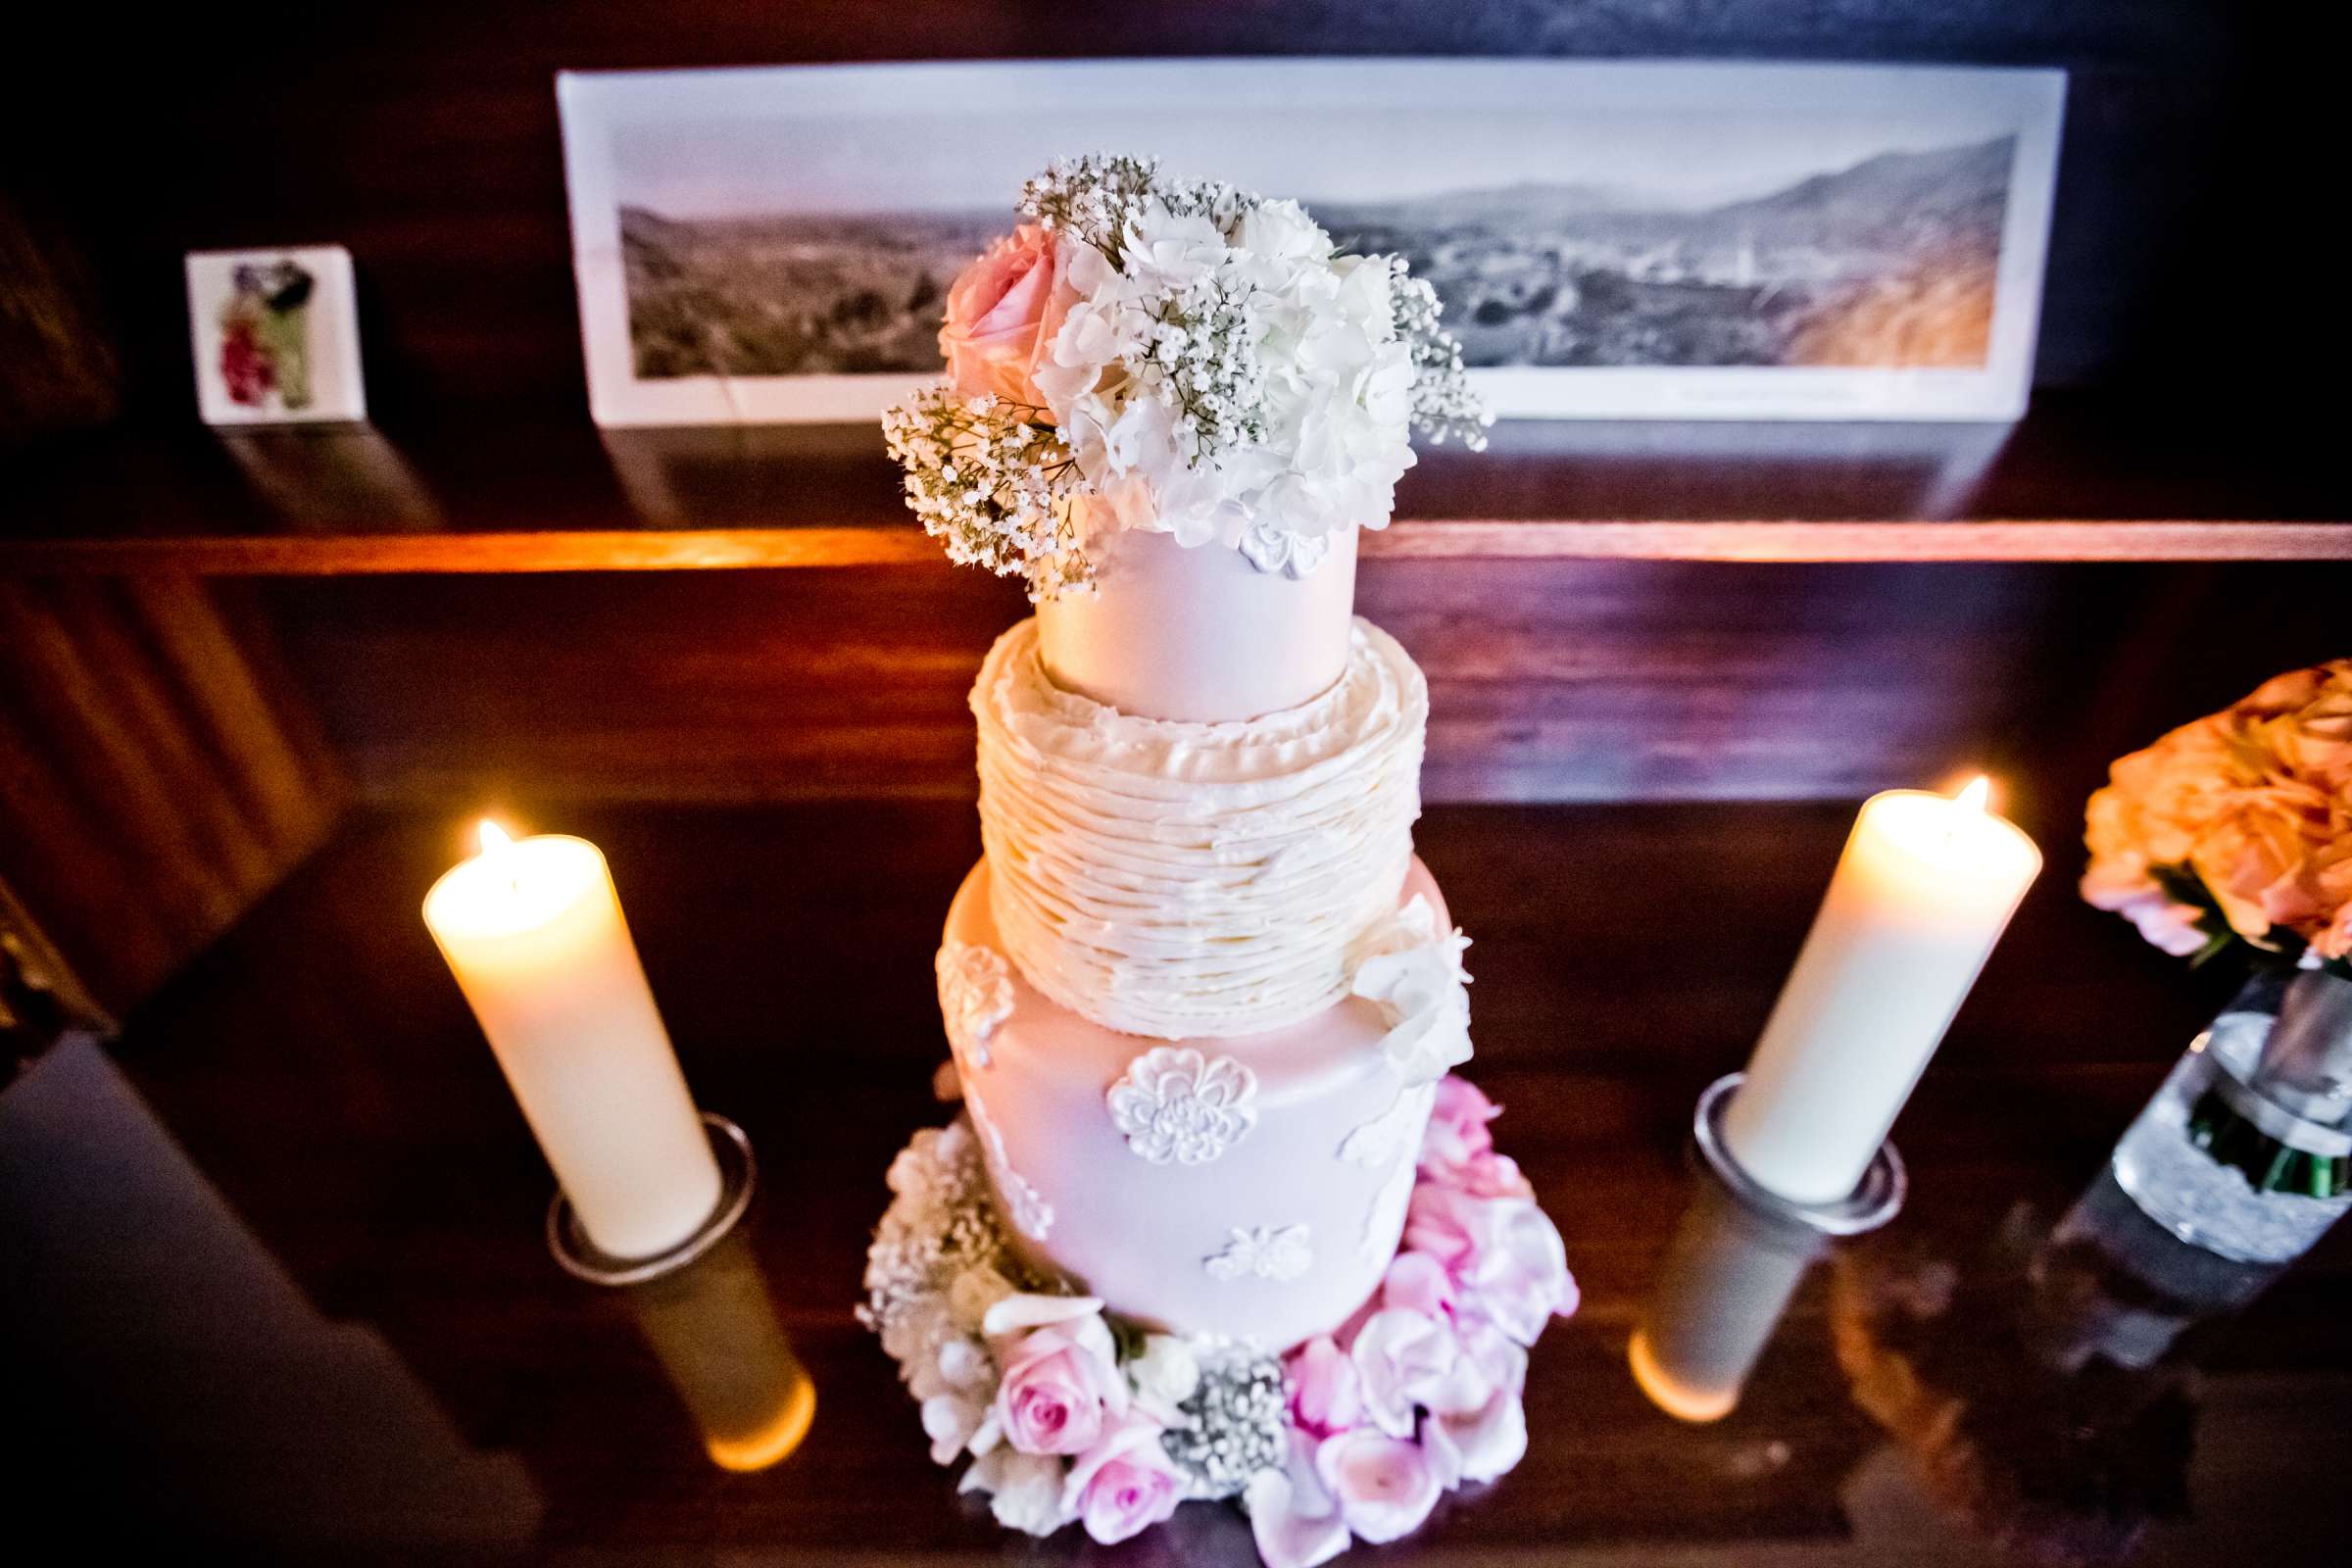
(330, 332)
(780, 142)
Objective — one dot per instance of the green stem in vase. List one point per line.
(2268, 1165)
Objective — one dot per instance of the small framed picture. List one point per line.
(1610, 239)
(277, 336)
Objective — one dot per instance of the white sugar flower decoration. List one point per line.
(1163, 1375)
(1271, 548)
(1414, 973)
(975, 994)
(1024, 1205)
(1265, 1252)
(1173, 1104)
(1385, 1136)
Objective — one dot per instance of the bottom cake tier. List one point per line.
(1250, 1187)
(1070, 1411)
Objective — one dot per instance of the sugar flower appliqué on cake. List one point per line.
(1383, 1138)
(1414, 972)
(1173, 1104)
(1026, 1206)
(1263, 1253)
(1272, 548)
(975, 994)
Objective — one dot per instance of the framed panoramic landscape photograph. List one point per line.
(1609, 239)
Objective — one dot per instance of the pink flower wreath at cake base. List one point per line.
(1069, 1415)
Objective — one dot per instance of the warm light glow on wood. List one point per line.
(774, 1443)
(1695, 1405)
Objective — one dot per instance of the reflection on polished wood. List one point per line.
(1725, 1281)
(715, 1329)
(320, 1071)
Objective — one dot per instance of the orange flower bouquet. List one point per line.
(2237, 828)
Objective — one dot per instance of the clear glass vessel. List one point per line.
(2246, 1150)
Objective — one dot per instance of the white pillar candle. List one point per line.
(1922, 894)
(534, 934)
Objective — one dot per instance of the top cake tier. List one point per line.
(1202, 635)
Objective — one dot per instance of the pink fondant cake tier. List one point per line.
(1252, 1187)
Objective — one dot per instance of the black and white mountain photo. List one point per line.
(1874, 231)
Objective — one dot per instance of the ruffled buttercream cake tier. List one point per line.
(1178, 879)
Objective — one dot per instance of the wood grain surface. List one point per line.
(319, 1071)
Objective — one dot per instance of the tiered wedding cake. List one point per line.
(1197, 1234)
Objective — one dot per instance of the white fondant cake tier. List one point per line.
(1253, 1188)
(1179, 879)
(1201, 634)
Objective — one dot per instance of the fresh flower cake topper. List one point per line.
(1177, 356)
(2237, 827)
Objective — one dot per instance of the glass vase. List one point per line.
(2246, 1150)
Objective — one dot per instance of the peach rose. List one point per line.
(2254, 802)
(1003, 314)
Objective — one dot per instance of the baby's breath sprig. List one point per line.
(1092, 197)
(991, 481)
(1444, 406)
(1202, 356)
(1095, 196)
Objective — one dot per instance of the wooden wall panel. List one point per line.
(1551, 680)
(424, 137)
(157, 770)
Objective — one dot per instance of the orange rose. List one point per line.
(1003, 314)
(2255, 801)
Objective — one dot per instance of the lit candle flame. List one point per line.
(494, 838)
(1975, 796)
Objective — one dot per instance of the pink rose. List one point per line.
(1419, 1282)
(1002, 316)
(1061, 1382)
(1386, 1486)
(1503, 1251)
(1406, 1361)
(1294, 1516)
(1481, 1442)
(1324, 1394)
(1492, 1175)
(1125, 1483)
(1457, 1128)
